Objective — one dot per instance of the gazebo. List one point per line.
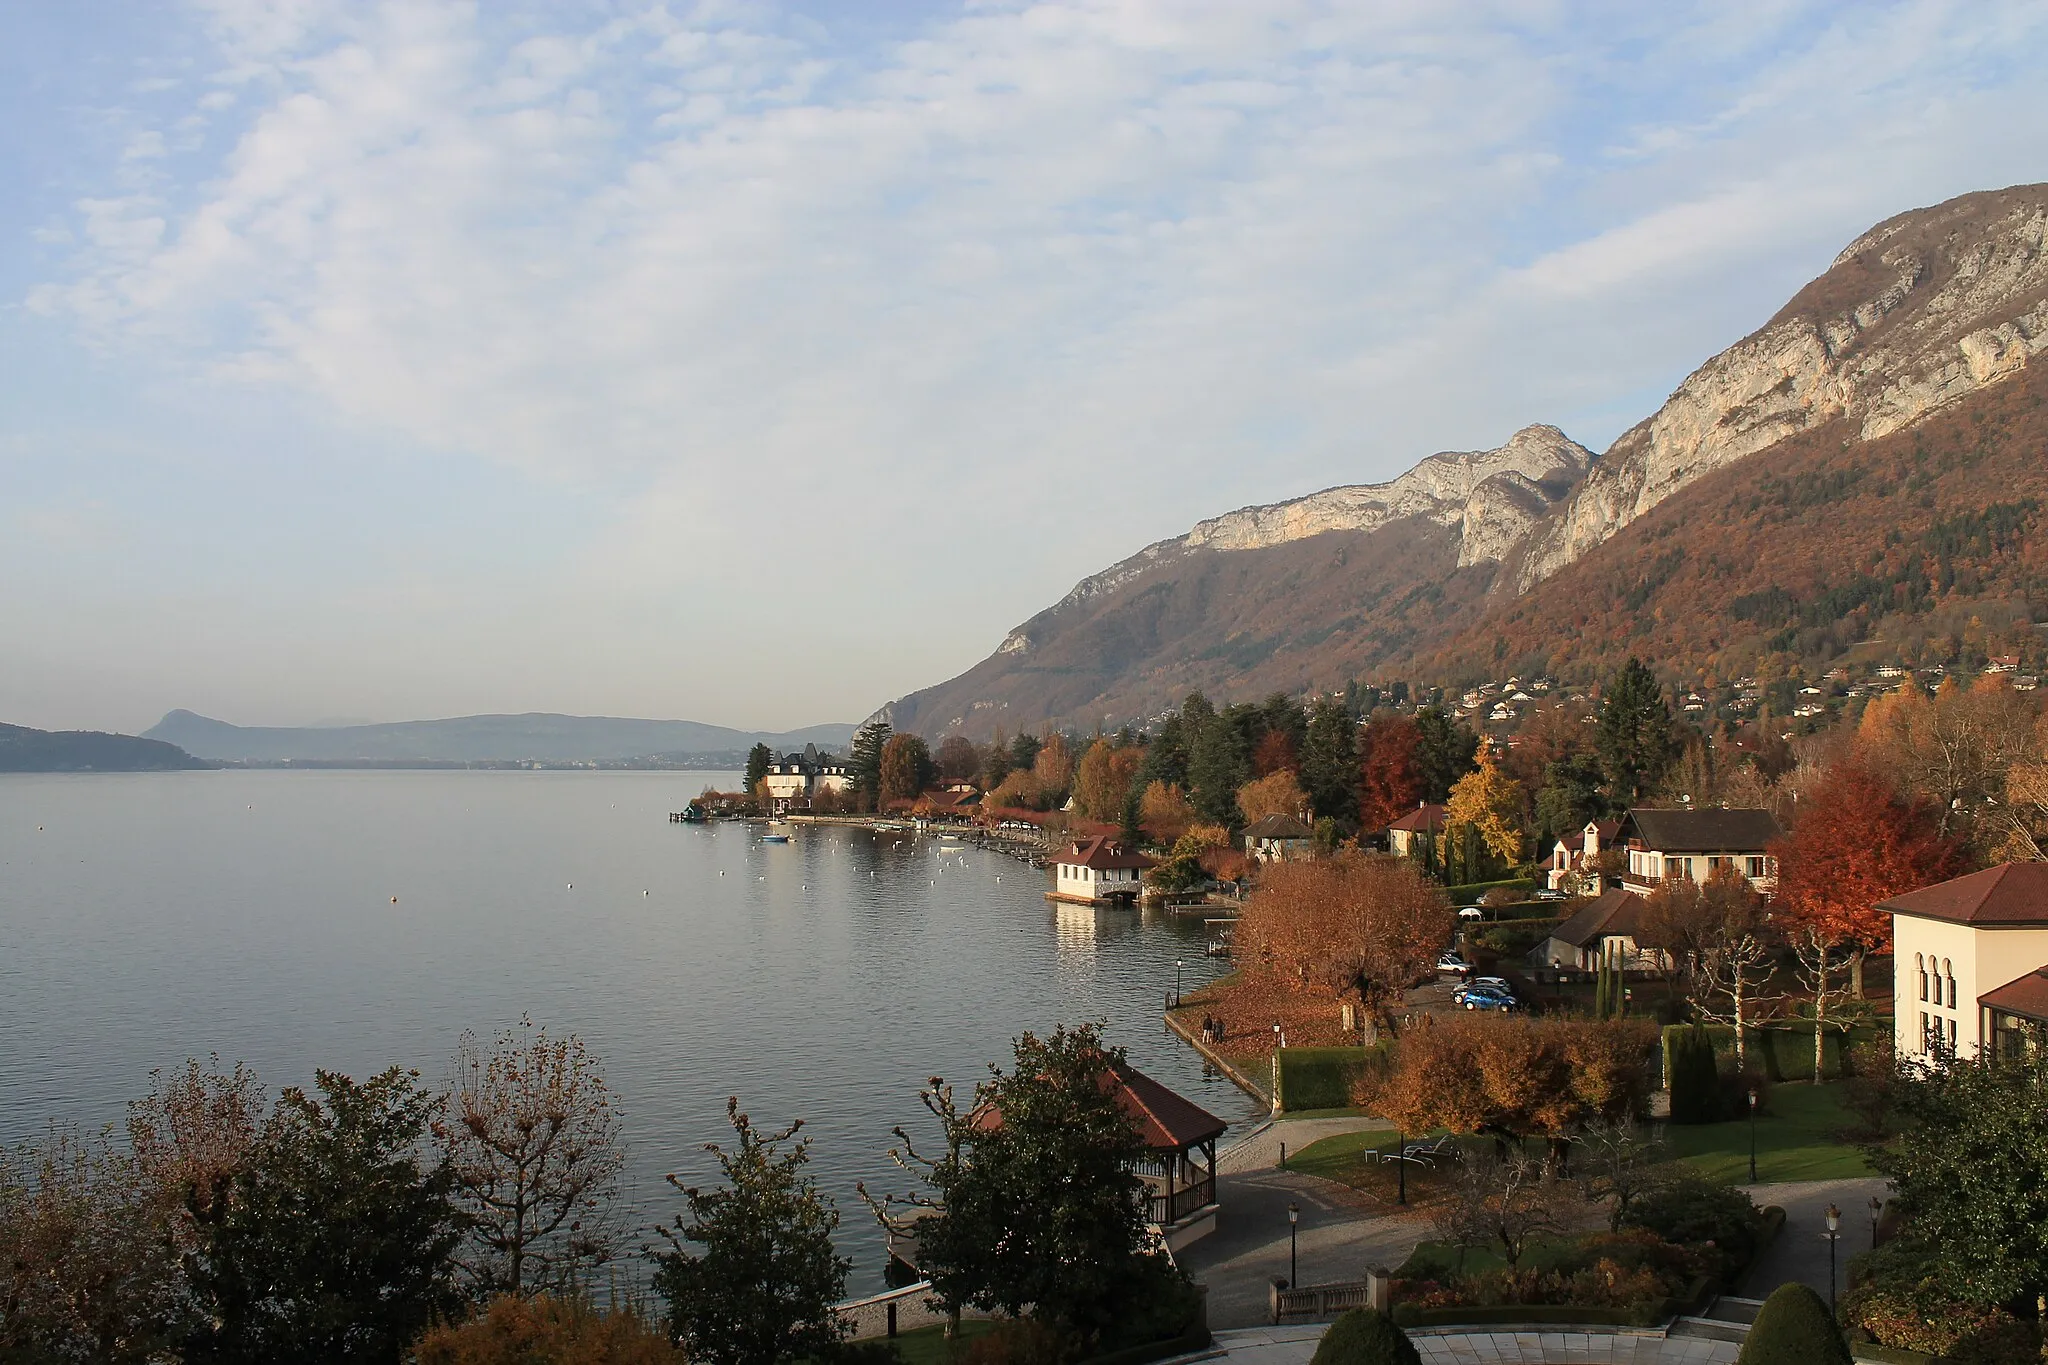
(1180, 1168)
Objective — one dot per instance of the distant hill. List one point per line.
(1864, 471)
(536, 737)
(23, 750)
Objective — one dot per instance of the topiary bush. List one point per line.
(1794, 1327)
(1365, 1337)
(1692, 1075)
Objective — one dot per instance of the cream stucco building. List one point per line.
(1970, 961)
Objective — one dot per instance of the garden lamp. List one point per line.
(1177, 965)
(1876, 1213)
(1293, 1219)
(1752, 1135)
(1834, 1228)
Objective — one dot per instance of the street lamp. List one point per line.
(1876, 1213)
(1177, 965)
(1293, 1218)
(1752, 1135)
(1401, 1164)
(1834, 1231)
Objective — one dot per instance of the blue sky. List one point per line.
(757, 363)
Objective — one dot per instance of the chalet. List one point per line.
(1663, 844)
(1098, 872)
(1970, 962)
(1605, 930)
(1418, 826)
(1278, 839)
(1574, 862)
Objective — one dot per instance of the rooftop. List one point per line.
(1702, 831)
(2010, 894)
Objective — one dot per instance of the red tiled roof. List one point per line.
(1166, 1121)
(1101, 853)
(2010, 894)
(1279, 827)
(1423, 818)
(2026, 997)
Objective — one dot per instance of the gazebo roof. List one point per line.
(1165, 1120)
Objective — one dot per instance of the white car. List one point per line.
(1451, 962)
(1495, 983)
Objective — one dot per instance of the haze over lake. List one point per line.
(147, 918)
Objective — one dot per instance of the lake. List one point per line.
(147, 918)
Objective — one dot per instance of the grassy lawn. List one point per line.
(928, 1345)
(1794, 1141)
(1352, 1112)
(1353, 1159)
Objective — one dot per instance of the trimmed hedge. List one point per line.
(1691, 1074)
(1783, 1049)
(1365, 1337)
(1322, 1077)
(1466, 893)
(1794, 1327)
(1514, 937)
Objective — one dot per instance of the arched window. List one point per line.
(1920, 965)
(1948, 971)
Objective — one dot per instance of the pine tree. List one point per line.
(1329, 762)
(865, 761)
(758, 759)
(1634, 735)
(1446, 751)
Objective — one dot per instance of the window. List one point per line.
(1951, 1035)
(1949, 971)
(1923, 1031)
(1952, 1000)
(1920, 965)
(1753, 866)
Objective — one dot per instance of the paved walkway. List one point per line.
(1293, 1345)
(1341, 1233)
(1259, 1149)
(1801, 1250)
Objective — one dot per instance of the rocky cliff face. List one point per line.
(1920, 311)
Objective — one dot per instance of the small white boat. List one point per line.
(775, 838)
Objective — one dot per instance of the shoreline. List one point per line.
(1229, 1072)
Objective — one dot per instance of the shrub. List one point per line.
(547, 1331)
(1691, 1075)
(1020, 1341)
(1794, 1328)
(1364, 1337)
(1902, 1295)
(1719, 1222)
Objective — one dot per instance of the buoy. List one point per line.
(572, 886)
(721, 874)
(643, 893)
(394, 900)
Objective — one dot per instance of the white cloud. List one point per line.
(1080, 269)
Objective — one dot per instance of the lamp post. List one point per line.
(1752, 1135)
(1876, 1213)
(1401, 1164)
(1834, 1231)
(1293, 1218)
(1177, 965)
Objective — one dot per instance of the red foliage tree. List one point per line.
(1275, 753)
(1856, 842)
(1390, 770)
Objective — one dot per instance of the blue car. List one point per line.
(1484, 998)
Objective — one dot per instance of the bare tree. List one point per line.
(1502, 1202)
(1722, 940)
(191, 1136)
(1823, 960)
(532, 1140)
(1618, 1164)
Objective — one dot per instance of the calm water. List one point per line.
(148, 918)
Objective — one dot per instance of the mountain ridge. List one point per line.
(27, 750)
(1920, 314)
(535, 736)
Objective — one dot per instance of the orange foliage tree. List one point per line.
(1276, 794)
(1372, 926)
(1391, 780)
(565, 1331)
(1103, 781)
(1274, 753)
(1164, 812)
(1857, 841)
(1517, 1077)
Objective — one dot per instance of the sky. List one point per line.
(757, 363)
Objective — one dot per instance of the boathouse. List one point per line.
(1098, 872)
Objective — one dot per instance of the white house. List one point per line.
(1663, 844)
(1418, 826)
(1970, 961)
(1604, 930)
(1578, 858)
(1098, 872)
(794, 778)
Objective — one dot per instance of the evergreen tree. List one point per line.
(1445, 753)
(1219, 762)
(995, 763)
(1166, 757)
(864, 762)
(338, 1242)
(1024, 751)
(1570, 796)
(1279, 714)
(760, 1287)
(1634, 734)
(1329, 762)
(758, 759)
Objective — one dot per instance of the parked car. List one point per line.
(1471, 912)
(1495, 983)
(1454, 962)
(1475, 999)
(1548, 895)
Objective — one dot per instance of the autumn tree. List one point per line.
(906, 767)
(2022, 835)
(1350, 925)
(1727, 941)
(1954, 749)
(548, 1330)
(1634, 733)
(1516, 1077)
(1445, 750)
(192, 1135)
(1052, 770)
(1274, 753)
(532, 1142)
(1329, 761)
(1490, 802)
(1856, 842)
(1391, 781)
(958, 759)
(1164, 812)
(750, 1275)
(88, 1267)
(1276, 794)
